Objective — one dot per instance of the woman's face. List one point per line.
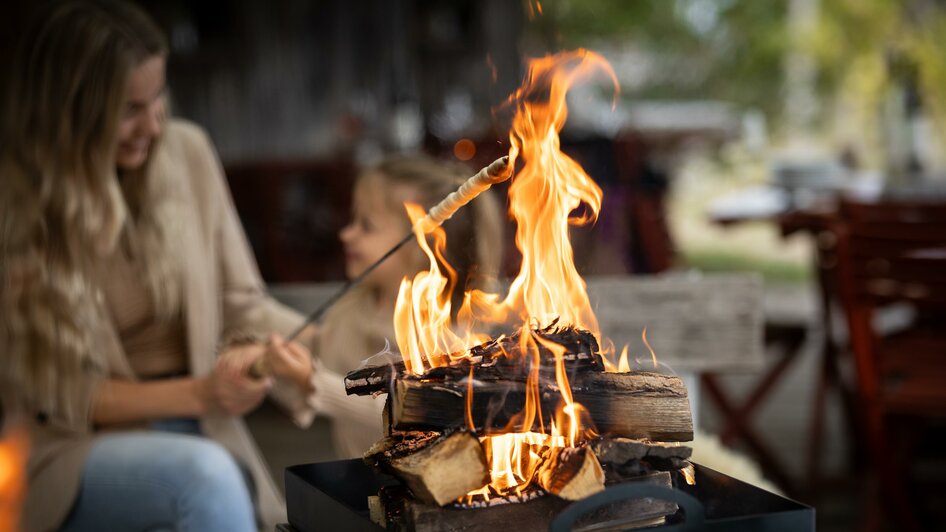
(142, 114)
(374, 229)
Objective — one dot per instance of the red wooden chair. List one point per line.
(894, 253)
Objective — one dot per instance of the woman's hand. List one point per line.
(290, 361)
(228, 389)
(240, 358)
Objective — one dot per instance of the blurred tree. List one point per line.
(728, 50)
(884, 61)
(880, 63)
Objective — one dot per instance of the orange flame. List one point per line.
(653, 356)
(546, 192)
(422, 324)
(534, 9)
(550, 193)
(468, 412)
(623, 365)
(13, 452)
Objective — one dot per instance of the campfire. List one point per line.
(519, 399)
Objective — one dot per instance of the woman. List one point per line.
(124, 272)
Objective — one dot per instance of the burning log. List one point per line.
(526, 512)
(438, 468)
(636, 405)
(630, 405)
(498, 359)
(571, 473)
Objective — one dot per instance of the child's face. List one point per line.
(374, 229)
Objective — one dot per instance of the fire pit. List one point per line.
(513, 405)
(506, 410)
(334, 496)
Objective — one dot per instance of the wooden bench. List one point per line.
(695, 323)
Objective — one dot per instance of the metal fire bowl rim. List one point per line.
(333, 496)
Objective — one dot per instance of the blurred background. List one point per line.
(741, 131)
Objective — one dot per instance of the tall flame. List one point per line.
(550, 193)
(547, 191)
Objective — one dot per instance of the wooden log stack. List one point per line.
(433, 425)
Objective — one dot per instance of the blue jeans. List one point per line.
(161, 481)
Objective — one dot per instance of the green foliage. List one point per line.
(734, 50)
(719, 260)
(864, 47)
(729, 50)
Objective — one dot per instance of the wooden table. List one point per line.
(815, 222)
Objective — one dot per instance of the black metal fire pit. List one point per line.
(334, 496)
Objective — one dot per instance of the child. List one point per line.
(361, 323)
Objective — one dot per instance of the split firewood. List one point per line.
(630, 405)
(619, 451)
(376, 511)
(571, 473)
(397, 444)
(438, 468)
(624, 459)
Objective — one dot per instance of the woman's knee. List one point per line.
(147, 480)
(213, 491)
(177, 461)
(207, 464)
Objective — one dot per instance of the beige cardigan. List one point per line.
(223, 294)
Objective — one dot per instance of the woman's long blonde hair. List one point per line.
(474, 251)
(63, 207)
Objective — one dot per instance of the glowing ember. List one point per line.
(550, 193)
(13, 452)
(689, 473)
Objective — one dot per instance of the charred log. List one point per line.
(630, 405)
(496, 360)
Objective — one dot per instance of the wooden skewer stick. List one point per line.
(497, 172)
